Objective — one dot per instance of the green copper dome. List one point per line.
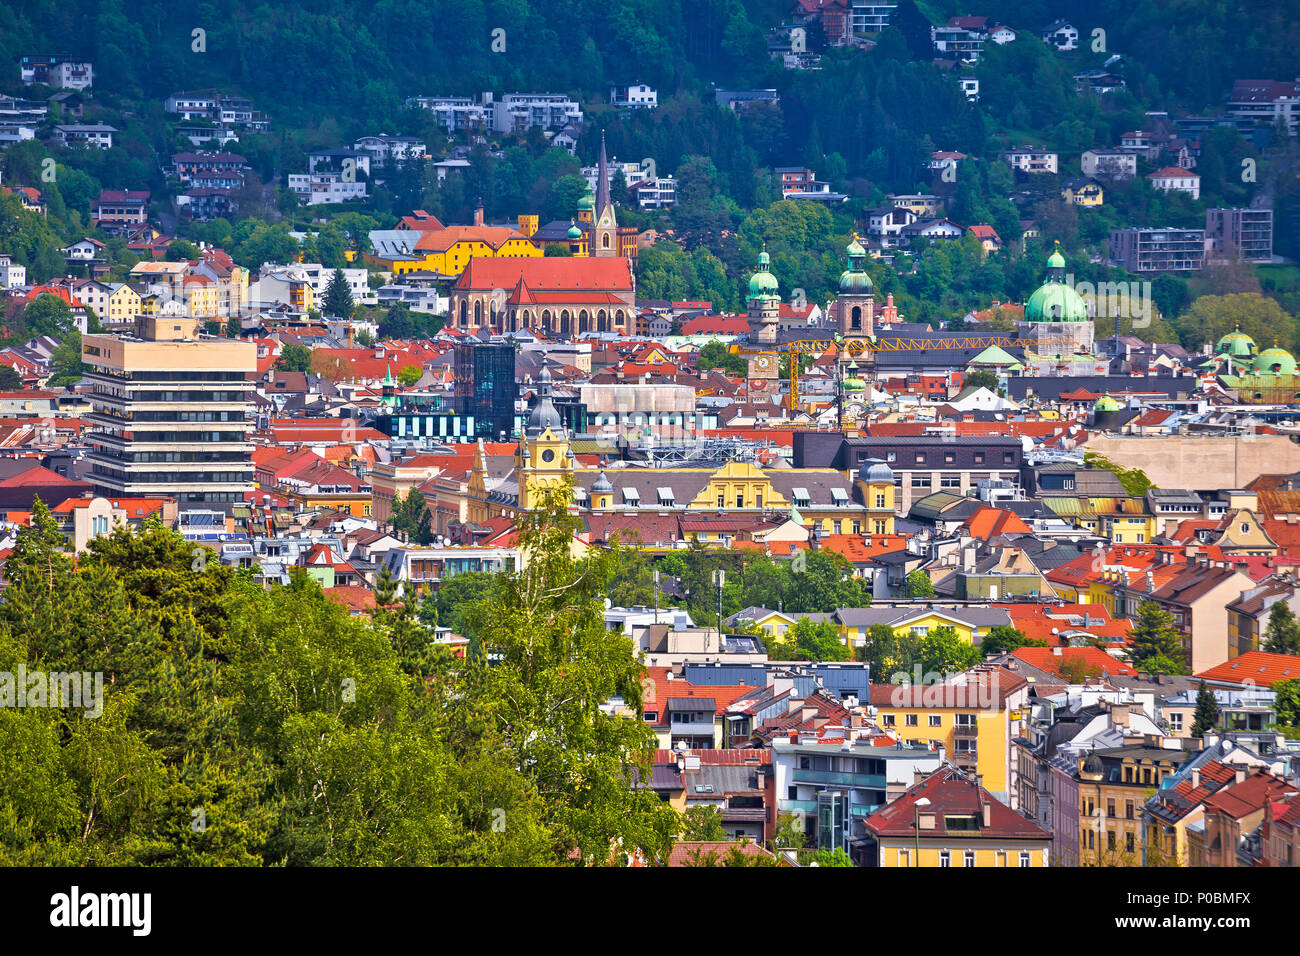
(854, 280)
(574, 231)
(1106, 404)
(1236, 343)
(588, 200)
(1055, 300)
(1275, 361)
(852, 383)
(762, 284)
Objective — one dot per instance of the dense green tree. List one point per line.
(66, 367)
(457, 595)
(919, 585)
(1003, 638)
(48, 314)
(1287, 702)
(1207, 711)
(557, 664)
(1282, 633)
(411, 516)
(294, 358)
(338, 297)
(703, 823)
(810, 640)
(1155, 644)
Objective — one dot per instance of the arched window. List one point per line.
(463, 316)
(546, 320)
(478, 314)
(564, 323)
(584, 322)
(855, 318)
(605, 240)
(602, 321)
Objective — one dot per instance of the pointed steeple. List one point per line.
(602, 178)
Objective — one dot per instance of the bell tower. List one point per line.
(544, 456)
(855, 305)
(764, 303)
(604, 233)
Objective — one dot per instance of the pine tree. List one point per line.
(338, 297)
(1155, 644)
(1207, 712)
(1282, 635)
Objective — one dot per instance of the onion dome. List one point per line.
(602, 485)
(854, 280)
(762, 284)
(574, 231)
(544, 414)
(588, 200)
(1055, 300)
(852, 382)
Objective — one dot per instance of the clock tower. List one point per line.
(544, 456)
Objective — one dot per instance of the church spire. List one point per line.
(602, 179)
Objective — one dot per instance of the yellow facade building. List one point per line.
(974, 716)
(949, 819)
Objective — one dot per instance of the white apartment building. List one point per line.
(58, 70)
(316, 189)
(1031, 160)
(634, 96)
(95, 134)
(12, 275)
(318, 277)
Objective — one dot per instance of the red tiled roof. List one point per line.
(1051, 659)
(692, 853)
(1239, 799)
(951, 793)
(988, 522)
(859, 550)
(552, 274)
(1256, 667)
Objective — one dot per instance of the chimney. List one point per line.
(986, 810)
(478, 213)
(1241, 774)
(1119, 715)
(1196, 779)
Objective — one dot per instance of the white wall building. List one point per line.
(12, 275)
(634, 96)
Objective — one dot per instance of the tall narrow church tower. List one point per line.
(855, 305)
(604, 235)
(764, 303)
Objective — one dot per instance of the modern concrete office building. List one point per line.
(172, 412)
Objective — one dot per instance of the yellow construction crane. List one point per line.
(856, 347)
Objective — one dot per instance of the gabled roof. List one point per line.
(952, 794)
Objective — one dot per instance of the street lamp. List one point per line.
(656, 577)
(719, 578)
(916, 808)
